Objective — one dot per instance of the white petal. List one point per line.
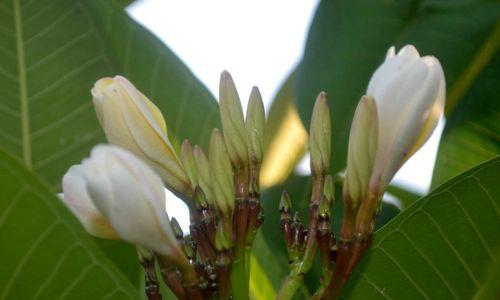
(390, 53)
(135, 199)
(77, 199)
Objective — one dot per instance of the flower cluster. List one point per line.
(118, 192)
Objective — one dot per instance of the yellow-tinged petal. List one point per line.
(133, 122)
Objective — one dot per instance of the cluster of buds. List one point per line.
(403, 103)
(118, 192)
(402, 106)
(303, 243)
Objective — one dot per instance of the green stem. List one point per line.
(290, 285)
(239, 276)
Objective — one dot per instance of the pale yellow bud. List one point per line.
(233, 125)
(221, 174)
(255, 123)
(132, 121)
(362, 149)
(188, 161)
(203, 169)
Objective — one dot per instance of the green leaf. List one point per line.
(349, 38)
(440, 247)
(52, 52)
(45, 253)
(472, 132)
(491, 287)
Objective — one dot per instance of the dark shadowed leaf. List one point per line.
(440, 247)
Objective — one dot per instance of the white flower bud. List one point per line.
(77, 199)
(132, 197)
(132, 121)
(409, 93)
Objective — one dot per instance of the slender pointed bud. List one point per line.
(285, 202)
(203, 169)
(286, 219)
(132, 197)
(320, 136)
(177, 229)
(329, 189)
(78, 201)
(296, 217)
(130, 120)
(199, 197)
(221, 174)
(409, 91)
(361, 150)
(222, 240)
(233, 125)
(188, 161)
(324, 208)
(255, 123)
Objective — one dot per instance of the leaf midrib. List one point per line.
(483, 56)
(23, 90)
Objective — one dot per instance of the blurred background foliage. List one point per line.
(440, 246)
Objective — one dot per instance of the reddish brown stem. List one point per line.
(206, 251)
(173, 280)
(223, 275)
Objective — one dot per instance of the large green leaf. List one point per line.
(45, 253)
(472, 132)
(348, 40)
(440, 247)
(51, 53)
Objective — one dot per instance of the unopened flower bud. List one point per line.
(233, 125)
(221, 174)
(131, 121)
(177, 229)
(222, 239)
(188, 161)
(77, 199)
(324, 208)
(361, 150)
(199, 197)
(255, 123)
(320, 136)
(203, 169)
(329, 189)
(132, 197)
(409, 92)
(285, 202)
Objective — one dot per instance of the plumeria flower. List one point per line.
(131, 121)
(127, 195)
(403, 104)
